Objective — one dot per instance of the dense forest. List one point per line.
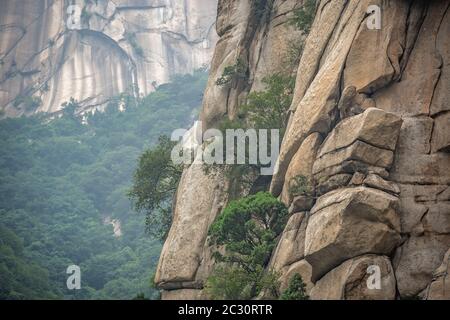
(63, 195)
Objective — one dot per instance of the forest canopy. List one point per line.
(63, 183)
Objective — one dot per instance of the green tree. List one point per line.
(304, 16)
(296, 289)
(248, 229)
(155, 183)
(64, 181)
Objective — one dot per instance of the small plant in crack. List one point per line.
(233, 73)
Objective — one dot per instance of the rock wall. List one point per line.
(102, 49)
(368, 127)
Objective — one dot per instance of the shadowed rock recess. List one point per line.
(369, 126)
(119, 46)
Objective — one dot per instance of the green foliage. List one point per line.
(233, 73)
(296, 289)
(59, 181)
(300, 186)
(266, 109)
(247, 229)
(294, 54)
(20, 278)
(304, 16)
(229, 283)
(155, 183)
(29, 103)
(131, 38)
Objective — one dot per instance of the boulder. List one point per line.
(358, 151)
(375, 127)
(352, 281)
(349, 222)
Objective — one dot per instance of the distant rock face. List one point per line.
(369, 127)
(95, 50)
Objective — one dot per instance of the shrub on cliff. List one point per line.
(155, 182)
(296, 289)
(304, 16)
(247, 229)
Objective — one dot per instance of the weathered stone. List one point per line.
(437, 218)
(375, 127)
(358, 151)
(301, 203)
(200, 198)
(303, 268)
(183, 294)
(441, 98)
(421, 169)
(357, 179)
(413, 94)
(416, 260)
(440, 142)
(370, 69)
(331, 183)
(375, 181)
(350, 281)
(301, 164)
(439, 289)
(316, 110)
(415, 135)
(291, 246)
(411, 210)
(350, 167)
(353, 103)
(349, 222)
(325, 22)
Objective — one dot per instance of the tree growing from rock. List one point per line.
(247, 229)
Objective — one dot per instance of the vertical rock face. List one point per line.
(96, 50)
(260, 39)
(368, 126)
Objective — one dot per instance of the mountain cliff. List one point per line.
(368, 126)
(51, 51)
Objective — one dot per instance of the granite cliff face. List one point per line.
(96, 50)
(369, 126)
